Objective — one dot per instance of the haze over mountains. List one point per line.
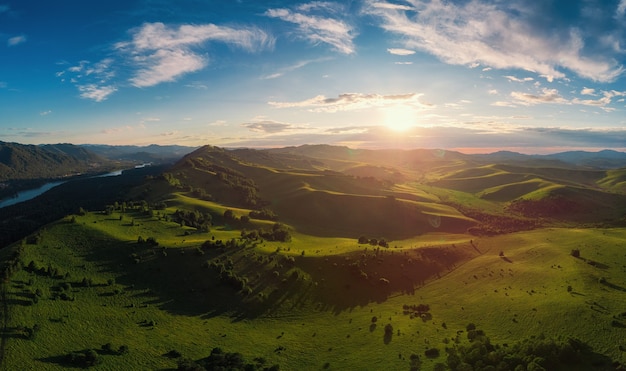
(21, 161)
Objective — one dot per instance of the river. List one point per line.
(32, 193)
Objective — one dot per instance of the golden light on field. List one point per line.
(400, 118)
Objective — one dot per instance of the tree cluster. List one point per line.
(194, 219)
(279, 232)
(373, 241)
(264, 213)
(536, 353)
(220, 360)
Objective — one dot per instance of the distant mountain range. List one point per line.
(23, 161)
(605, 159)
(20, 161)
(144, 154)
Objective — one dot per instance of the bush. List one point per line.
(432, 353)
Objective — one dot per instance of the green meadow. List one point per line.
(170, 300)
(464, 267)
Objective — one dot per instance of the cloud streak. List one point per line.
(269, 127)
(487, 33)
(353, 101)
(325, 28)
(16, 40)
(162, 53)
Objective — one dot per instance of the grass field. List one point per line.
(144, 291)
(321, 319)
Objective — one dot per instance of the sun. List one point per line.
(400, 118)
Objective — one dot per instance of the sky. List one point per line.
(476, 76)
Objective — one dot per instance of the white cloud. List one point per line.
(389, 6)
(353, 101)
(163, 54)
(621, 8)
(197, 85)
(3, 84)
(588, 91)
(602, 102)
(95, 92)
(552, 96)
(397, 51)
(45, 113)
(4, 8)
(165, 66)
(515, 79)
(269, 126)
(293, 67)
(546, 96)
(477, 32)
(16, 40)
(319, 29)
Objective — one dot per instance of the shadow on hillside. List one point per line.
(13, 333)
(243, 284)
(612, 285)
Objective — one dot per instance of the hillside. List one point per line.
(20, 161)
(397, 194)
(140, 154)
(320, 257)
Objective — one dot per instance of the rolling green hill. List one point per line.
(321, 257)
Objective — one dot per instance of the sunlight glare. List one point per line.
(400, 118)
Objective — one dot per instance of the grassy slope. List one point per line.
(513, 299)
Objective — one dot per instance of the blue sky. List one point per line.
(472, 75)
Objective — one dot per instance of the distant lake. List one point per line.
(32, 193)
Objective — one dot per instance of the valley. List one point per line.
(325, 257)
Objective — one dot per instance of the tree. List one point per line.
(229, 215)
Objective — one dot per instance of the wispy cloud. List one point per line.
(292, 68)
(95, 92)
(162, 53)
(323, 27)
(552, 96)
(516, 79)
(353, 101)
(4, 8)
(197, 85)
(621, 9)
(545, 96)
(390, 6)
(490, 34)
(16, 40)
(93, 80)
(403, 52)
(269, 126)
(602, 102)
(45, 113)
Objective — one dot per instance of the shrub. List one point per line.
(388, 329)
(432, 353)
(123, 349)
(575, 253)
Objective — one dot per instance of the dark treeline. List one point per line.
(18, 221)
